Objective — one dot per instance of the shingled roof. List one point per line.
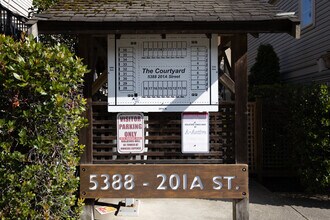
(115, 15)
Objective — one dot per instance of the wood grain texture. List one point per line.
(147, 174)
(239, 60)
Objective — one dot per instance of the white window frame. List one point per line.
(312, 9)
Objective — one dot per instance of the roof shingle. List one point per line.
(160, 10)
(160, 16)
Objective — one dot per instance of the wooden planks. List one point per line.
(164, 142)
(163, 138)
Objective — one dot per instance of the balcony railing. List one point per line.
(11, 24)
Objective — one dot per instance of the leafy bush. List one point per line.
(303, 113)
(41, 5)
(40, 114)
(266, 69)
(310, 136)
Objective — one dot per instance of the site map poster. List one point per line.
(153, 73)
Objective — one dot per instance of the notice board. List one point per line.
(163, 73)
(195, 132)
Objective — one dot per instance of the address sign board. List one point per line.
(169, 73)
(164, 181)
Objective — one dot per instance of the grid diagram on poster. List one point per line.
(155, 73)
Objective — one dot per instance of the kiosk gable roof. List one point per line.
(164, 16)
(160, 10)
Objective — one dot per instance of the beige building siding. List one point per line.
(20, 7)
(299, 58)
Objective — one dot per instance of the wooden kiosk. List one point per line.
(159, 126)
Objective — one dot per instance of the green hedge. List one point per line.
(310, 135)
(305, 128)
(40, 116)
(42, 5)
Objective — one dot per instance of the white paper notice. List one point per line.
(195, 132)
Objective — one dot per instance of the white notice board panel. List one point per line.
(162, 73)
(130, 133)
(195, 132)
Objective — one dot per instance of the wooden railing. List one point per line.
(11, 24)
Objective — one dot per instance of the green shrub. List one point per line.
(40, 115)
(310, 136)
(42, 5)
(266, 69)
(302, 115)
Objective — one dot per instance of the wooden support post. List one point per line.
(239, 68)
(86, 133)
(241, 209)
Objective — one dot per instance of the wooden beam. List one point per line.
(99, 82)
(255, 35)
(84, 52)
(224, 44)
(113, 27)
(225, 78)
(239, 67)
(85, 136)
(227, 64)
(227, 82)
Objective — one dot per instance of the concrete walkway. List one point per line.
(264, 205)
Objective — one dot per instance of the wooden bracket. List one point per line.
(255, 35)
(227, 82)
(296, 30)
(99, 82)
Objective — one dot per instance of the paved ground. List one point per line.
(264, 205)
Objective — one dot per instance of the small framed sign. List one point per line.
(195, 132)
(130, 133)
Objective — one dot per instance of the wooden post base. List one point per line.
(88, 212)
(241, 209)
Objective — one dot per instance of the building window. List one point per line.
(307, 13)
